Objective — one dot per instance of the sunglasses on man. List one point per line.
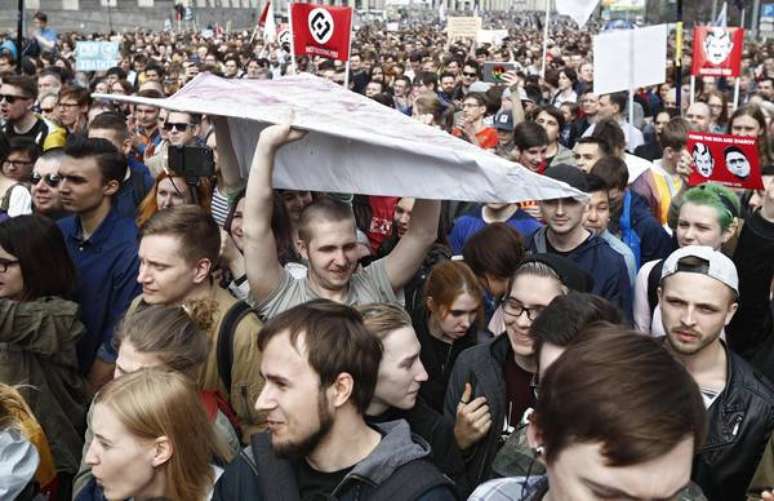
(51, 180)
(11, 98)
(180, 127)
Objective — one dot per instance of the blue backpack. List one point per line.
(628, 235)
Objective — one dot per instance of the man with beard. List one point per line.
(699, 295)
(321, 366)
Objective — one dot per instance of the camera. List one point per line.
(191, 161)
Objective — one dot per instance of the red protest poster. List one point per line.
(725, 159)
(717, 51)
(319, 30)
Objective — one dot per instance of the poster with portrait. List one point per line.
(725, 159)
(717, 51)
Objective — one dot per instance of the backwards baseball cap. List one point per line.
(570, 175)
(572, 276)
(714, 264)
(504, 121)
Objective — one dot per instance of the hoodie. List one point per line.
(244, 478)
(606, 266)
(18, 463)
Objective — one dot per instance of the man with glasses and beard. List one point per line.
(320, 365)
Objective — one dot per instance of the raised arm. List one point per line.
(404, 261)
(229, 166)
(261, 263)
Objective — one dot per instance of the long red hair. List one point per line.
(148, 207)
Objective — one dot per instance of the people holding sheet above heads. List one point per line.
(617, 418)
(328, 242)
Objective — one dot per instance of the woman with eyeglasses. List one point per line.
(15, 197)
(169, 191)
(39, 331)
(498, 374)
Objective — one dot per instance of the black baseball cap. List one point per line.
(573, 176)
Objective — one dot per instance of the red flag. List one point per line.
(264, 14)
(319, 30)
(717, 51)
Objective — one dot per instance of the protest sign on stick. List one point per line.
(463, 27)
(354, 144)
(729, 160)
(96, 56)
(319, 30)
(717, 51)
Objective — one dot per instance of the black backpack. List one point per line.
(225, 347)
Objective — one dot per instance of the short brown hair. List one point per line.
(675, 133)
(198, 233)
(79, 94)
(336, 341)
(613, 171)
(381, 318)
(326, 208)
(497, 249)
(28, 85)
(622, 389)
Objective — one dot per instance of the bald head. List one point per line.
(698, 115)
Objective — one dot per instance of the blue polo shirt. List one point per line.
(471, 223)
(134, 189)
(108, 266)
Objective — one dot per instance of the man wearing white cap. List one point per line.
(699, 294)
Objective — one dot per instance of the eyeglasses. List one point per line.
(469, 74)
(5, 263)
(16, 163)
(47, 110)
(11, 99)
(52, 180)
(181, 127)
(513, 308)
(69, 105)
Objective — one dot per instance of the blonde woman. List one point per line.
(152, 439)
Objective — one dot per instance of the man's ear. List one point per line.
(202, 270)
(111, 187)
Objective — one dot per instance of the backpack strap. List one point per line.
(228, 326)
(411, 481)
(654, 277)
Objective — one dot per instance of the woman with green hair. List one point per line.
(709, 215)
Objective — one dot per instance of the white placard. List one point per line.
(628, 59)
(145, 3)
(354, 144)
(32, 4)
(494, 37)
(70, 4)
(108, 3)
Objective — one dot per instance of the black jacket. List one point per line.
(397, 465)
(438, 431)
(740, 422)
(482, 366)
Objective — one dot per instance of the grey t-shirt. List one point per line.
(369, 285)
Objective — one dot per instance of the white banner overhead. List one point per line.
(578, 10)
(355, 145)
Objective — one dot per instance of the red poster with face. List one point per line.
(717, 51)
(725, 159)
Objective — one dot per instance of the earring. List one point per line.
(539, 450)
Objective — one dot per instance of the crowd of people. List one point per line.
(179, 337)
